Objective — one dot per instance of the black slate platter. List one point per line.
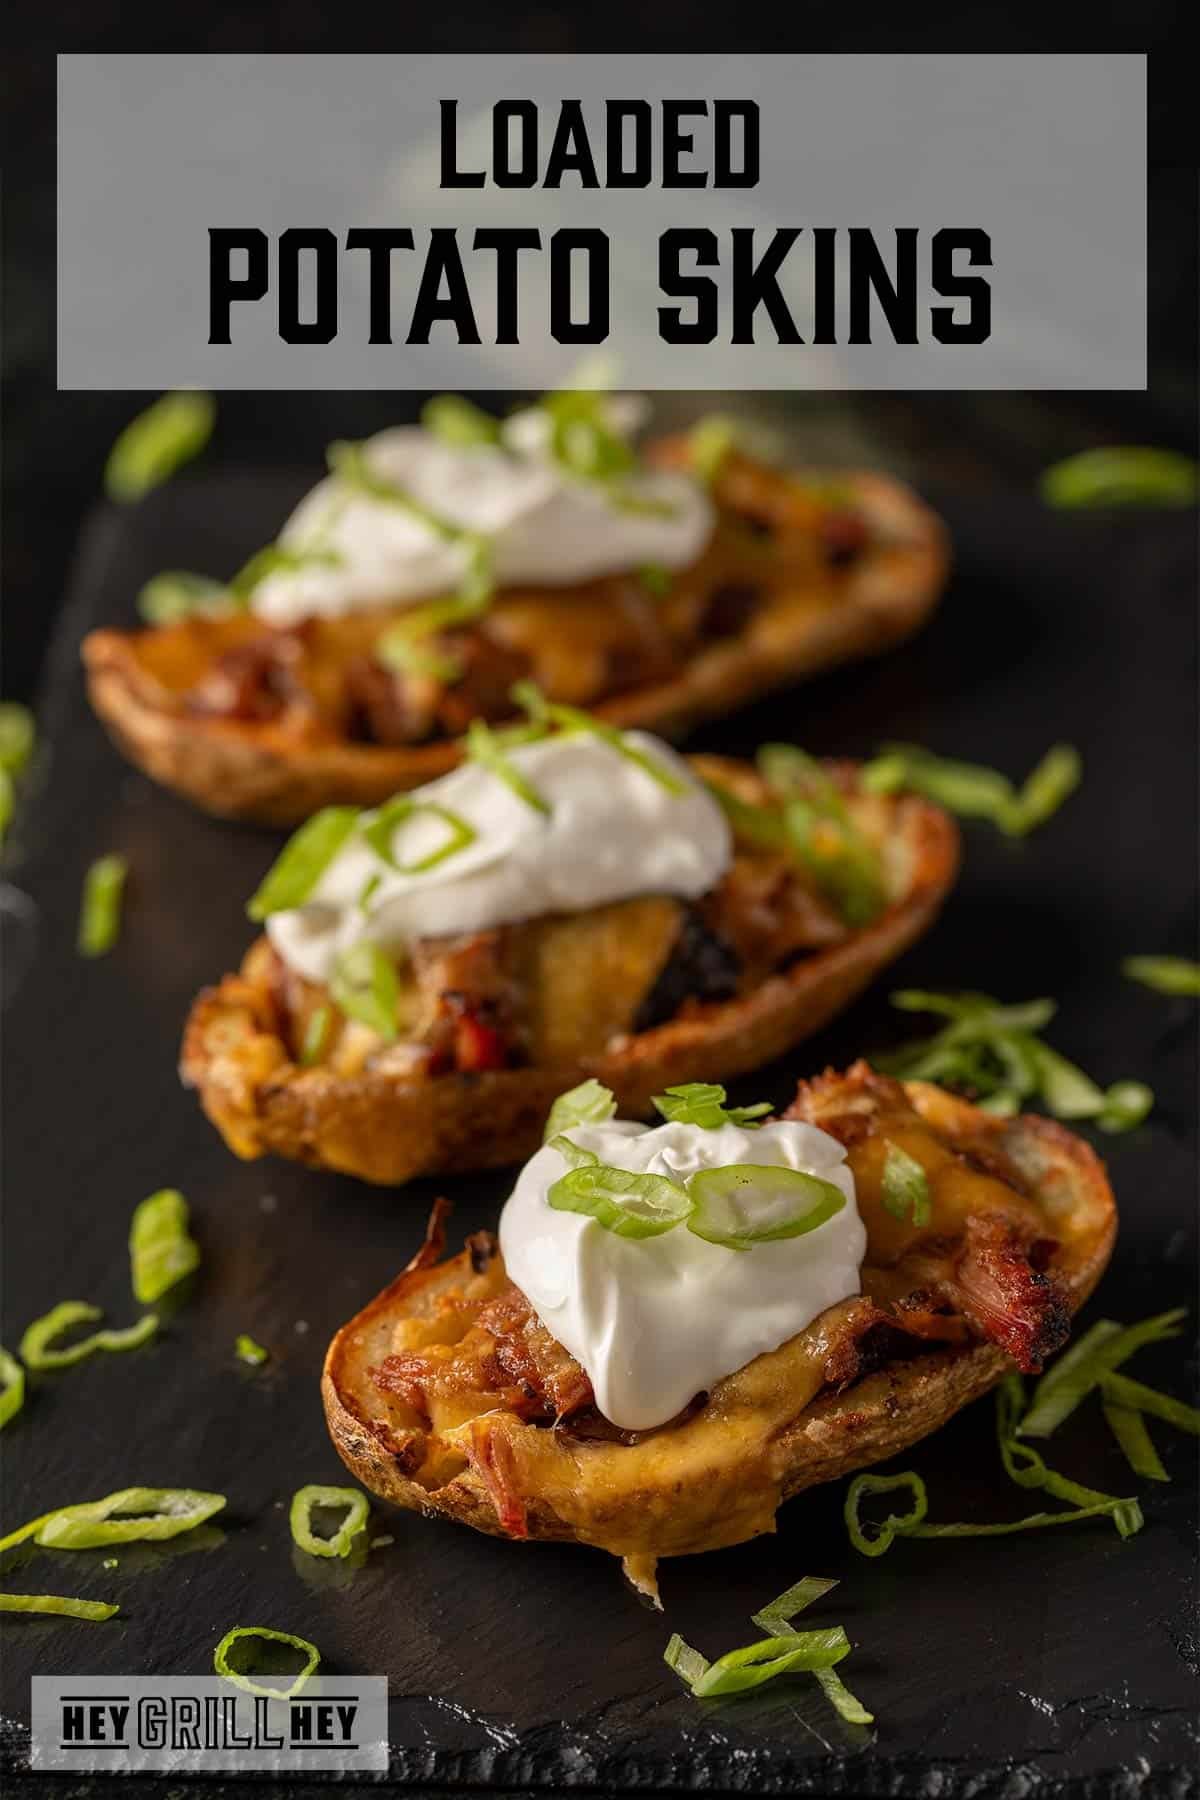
(1053, 1663)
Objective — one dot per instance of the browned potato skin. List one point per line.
(385, 1129)
(241, 770)
(718, 1478)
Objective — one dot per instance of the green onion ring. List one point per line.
(161, 1249)
(591, 1103)
(35, 1351)
(161, 1513)
(306, 1499)
(12, 1393)
(265, 1633)
(628, 1205)
(58, 1604)
(716, 1219)
(380, 827)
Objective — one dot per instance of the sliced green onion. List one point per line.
(379, 830)
(703, 1103)
(16, 736)
(591, 1103)
(582, 441)
(349, 463)
(369, 887)
(1066, 1090)
(848, 1705)
(883, 1532)
(161, 1249)
(974, 791)
(315, 1033)
(100, 908)
(12, 1393)
(277, 559)
(574, 1154)
(1126, 1104)
(159, 441)
(1024, 1466)
(655, 579)
(905, 1186)
(822, 832)
(755, 1664)
(761, 825)
(1131, 1432)
(460, 422)
(1166, 974)
(304, 859)
(628, 1205)
(529, 696)
(1124, 1392)
(1101, 1350)
(746, 1204)
(709, 442)
(36, 1350)
(777, 1614)
(247, 1351)
(59, 1604)
(364, 984)
(264, 1633)
(177, 594)
(158, 1514)
(1051, 783)
(685, 1662)
(304, 1503)
(486, 747)
(1121, 475)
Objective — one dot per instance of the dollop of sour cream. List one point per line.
(545, 527)
(610, 831)
(655, 1321)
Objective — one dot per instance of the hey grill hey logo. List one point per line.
(180, 1723)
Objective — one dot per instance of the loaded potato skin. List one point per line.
(641, 994)
(269, 722)
(448, 1395)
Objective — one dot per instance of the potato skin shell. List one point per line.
(385, 1129)
(237, 770)
(720, 1484)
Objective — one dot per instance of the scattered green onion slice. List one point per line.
(1126, 1104)
(58, 1604)
(974, 791)
(264, 1633)
(628, 1205)
(247, 1351)
(775, 1617)
(135, 1515)
(755, 1664)
(574, 1154)
(277, 559)
(458, 421)
(821, 831)
(591, 1103)
(379, 830)
(315, 1033)
(304, 1503)
(16, 736)
(12, 1393)
(486, 747)
(36, 1350)
(100, 908)
(905, 1187)
(366, 987)
(161, 1249)
(304, 859)
(529, 696)
(159, 441)
(177, 594)
(744, 1204)
(1127, 1516)
(685, 1662)
(582, 441)
(1132, 1434)
(883, 1533)
(848, 1705)
(761, 825)
(1166, 974)
(1124, 1392)
(349, 463)
(1024, 1466)
(709, 443)
(1122, 475)
(1096, 1354)
(703, 1103)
